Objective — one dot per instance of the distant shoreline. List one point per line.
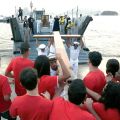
(109, 13)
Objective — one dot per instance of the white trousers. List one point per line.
(74, 65)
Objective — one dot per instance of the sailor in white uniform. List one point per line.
(53, 64)
(42, 49)
(74, 54)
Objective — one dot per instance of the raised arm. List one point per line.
(81, 42)
(59, 90)
(37, 44)
(89, 105)
(50, 42)
(68, 43)
(93, 94)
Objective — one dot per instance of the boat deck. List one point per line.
(83, 56)
(17, 31)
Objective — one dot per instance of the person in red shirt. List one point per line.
(47, 82)
(112, 67)
(16, 65)
(5, 93)
(71, 110)
(112, 70)
(30, 106)
(95, 79)
(108, 106)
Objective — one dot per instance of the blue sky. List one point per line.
(7, 7)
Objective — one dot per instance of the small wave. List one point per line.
(6, 53)
(105, 55)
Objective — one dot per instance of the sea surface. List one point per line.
(102, 34)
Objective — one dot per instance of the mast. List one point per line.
(77, 12)
(31, 5)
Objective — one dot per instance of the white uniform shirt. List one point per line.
(74, 53)
(52, 72)
(42, 53)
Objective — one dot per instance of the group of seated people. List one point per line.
(39, 95)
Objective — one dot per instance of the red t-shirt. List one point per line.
(109, 114)
(64, 110)
(48, 83)
(4, 90)
(31, 108)
(95, 80)
(17, 65)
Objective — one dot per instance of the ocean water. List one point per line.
(102, 34)
(6, 44)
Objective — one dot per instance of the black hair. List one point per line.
(42, 65)
(24, 47)
(28, 78)
(77, 92)
(111, 95)
(95, 58)
(112, 66)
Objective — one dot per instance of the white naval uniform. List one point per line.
(42, 53)
(74, 54)
(52, 72)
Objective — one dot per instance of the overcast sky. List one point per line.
(7, 7)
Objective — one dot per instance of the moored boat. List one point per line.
(43, 26)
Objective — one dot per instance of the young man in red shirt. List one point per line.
(5, 93)
(16, 65)
(71, 110)
(30, 106)
(47, 82)
(95, 79)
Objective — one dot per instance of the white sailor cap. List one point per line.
(42, 46)
(51, 56)
(76, 43)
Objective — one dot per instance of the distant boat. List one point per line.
(4, 19)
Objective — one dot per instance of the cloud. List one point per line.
(58, 6)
